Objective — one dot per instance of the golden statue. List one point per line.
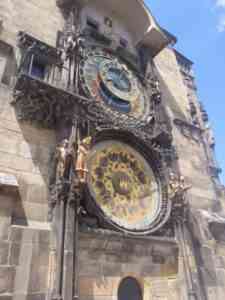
(81, 162)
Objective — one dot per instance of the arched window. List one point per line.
(129, 289)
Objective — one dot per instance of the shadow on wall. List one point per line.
(37, 148)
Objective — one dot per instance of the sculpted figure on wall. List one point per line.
(155, 88)
(81, 162)
(210, 136)
(177, 192)
(73, 43)
(177, 187)
(61, 159)
(64, 154)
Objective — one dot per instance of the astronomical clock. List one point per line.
(124, 185)
(107, 79)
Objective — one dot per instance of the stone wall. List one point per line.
(25, 152)
(106, 260)
(27, 252)
(187, 139)
(204, 257)
(39, 18)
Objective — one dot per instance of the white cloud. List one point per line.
(220, 3)
(221, 24)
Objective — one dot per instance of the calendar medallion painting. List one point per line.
(123, 185)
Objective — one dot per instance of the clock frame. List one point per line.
(115, 167)
(109, 80)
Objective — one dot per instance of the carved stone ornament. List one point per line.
(30, 44)
(45, 102)
(177, 191)
(210, 225)
(189, 130)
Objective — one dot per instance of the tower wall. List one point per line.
(28, 249)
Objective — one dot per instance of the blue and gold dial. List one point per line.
(108, 79)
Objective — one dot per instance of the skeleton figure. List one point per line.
(69, 46)
(155, 88)
(61, 159)
(81, 162)
(73, 43)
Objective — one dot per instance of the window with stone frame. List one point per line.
(2, 64)
(7, 63)
(38, 68)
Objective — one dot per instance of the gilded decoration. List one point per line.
(81, 162)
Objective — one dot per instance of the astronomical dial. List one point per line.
(106, 78)
(123, 185)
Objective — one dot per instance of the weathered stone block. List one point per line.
(20, 234)
(40, 255)
(220, 262)
(89, 268)
(5, 223)
(98, 286)
(38, 279)
(14, 254)
(44, 237)
(33, 211)
(4, 253)
(111, 269)
(221, 277)
(159, 288)
(6, 297)
(6, 203)
(7, 275)
(36, 296)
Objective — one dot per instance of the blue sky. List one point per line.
(199, 26)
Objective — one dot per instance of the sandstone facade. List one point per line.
(190, 265)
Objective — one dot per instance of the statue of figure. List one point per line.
(81, 162)
(210, 136)
(177, 187)
(73, 42)
(69, 46)
(155, 88)
(173, 185)
(61, 158)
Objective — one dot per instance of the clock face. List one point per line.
(123, 186)
(106, 78)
